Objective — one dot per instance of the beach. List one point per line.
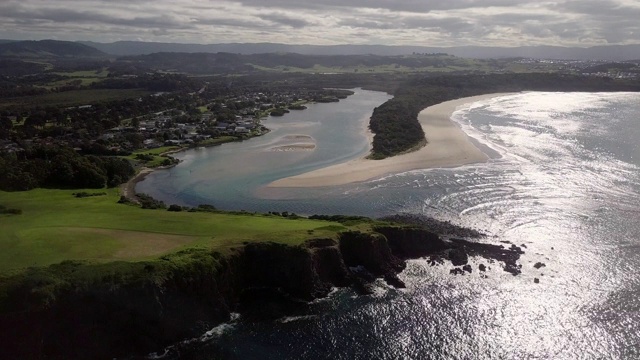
(128, 189)
(447, 146)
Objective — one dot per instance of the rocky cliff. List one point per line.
(151, 305)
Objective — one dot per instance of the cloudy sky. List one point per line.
(390, 22)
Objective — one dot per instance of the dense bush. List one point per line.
(204, 208)
(145, 157)
(61, 167)
(124, 200)
(9, 211)
(84, 194)
(148, 202)
(278, 112)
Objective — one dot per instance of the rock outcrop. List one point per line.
(159, 303)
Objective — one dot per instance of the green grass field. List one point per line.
(55, 226)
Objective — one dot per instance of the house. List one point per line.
(151, 144)
(222, 126)
(242, 130)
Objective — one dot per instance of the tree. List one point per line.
(36, 119)
(5, 127)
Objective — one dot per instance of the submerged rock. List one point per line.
(538, 265)
(458, 257)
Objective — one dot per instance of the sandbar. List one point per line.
(294, 147)
(447, 146)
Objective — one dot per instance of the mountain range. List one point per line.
(47, 48)
(609, 53)
(131, 48)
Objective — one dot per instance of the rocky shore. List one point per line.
(132, 313)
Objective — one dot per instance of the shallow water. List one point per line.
(227, 176)
(564, 180)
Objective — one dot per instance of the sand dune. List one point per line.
(448, 146)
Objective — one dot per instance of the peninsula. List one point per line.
(446, 146)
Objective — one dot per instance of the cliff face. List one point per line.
(411, 242)
(107, 320)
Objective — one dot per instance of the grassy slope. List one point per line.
(56, 226)
(86, 78)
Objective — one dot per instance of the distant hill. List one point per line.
(610, 53)
(224, 62)
(48, 49)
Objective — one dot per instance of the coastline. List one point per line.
(128, 189)
(447, 146)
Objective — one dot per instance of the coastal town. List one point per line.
(185, 120)
(104, 143)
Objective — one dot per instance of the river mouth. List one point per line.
(565, 185)
(231, 176)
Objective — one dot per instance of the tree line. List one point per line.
(55, 166)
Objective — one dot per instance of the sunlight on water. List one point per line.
(564, 182)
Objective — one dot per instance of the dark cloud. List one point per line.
(87, 17)
(446, 25)
(420, 6)
(417, 22)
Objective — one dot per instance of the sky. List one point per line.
(328, 22)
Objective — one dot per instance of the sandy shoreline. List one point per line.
(128, 189)
(448, 146)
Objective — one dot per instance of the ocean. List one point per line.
(563, 181)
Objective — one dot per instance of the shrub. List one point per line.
(167, 162)
(148, 202)
(124, 200)
(204, 208)
(9, 211)
(84, 194)
(144, 157)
